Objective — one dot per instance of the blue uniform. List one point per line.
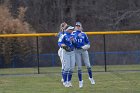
(81, 39)
(67, 40)
(60, 53)
(68, 57)
(60, 34)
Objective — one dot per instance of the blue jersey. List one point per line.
(60, 34)
(66, 39)
(81, 39)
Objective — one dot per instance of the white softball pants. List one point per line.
(60, 54)
(79, 55)
(68, 60)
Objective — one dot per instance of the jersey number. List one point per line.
(79, 40)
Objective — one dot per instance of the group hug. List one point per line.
(74, 45)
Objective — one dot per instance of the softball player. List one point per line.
(81, 45)
(65, 42)
(63, 26)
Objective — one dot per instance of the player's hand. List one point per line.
(86, 47)
(66, 48)
(63, 45)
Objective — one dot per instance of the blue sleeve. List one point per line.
(87, 40)
(61, 40)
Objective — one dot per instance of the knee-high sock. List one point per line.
(65, 76)
(69, 75)
(89, 72)
(80, 75)
(62, 72)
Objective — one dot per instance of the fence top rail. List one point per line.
(55, 34)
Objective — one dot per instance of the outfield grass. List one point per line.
(123, 67)
(106, 82)
(45, 70)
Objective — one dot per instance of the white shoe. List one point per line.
(80, 84)
(69, 84)
(62, 80)
(65, 84)
(92, 81)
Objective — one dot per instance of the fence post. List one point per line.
(37, 46)
(14, 62)
(105, 52)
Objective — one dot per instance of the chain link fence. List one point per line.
(106, 54)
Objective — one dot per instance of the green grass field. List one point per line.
(22, 80)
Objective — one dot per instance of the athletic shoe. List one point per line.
(65, 84)
(80, 84)
(92, 80)
(69, 84)
(62, 80)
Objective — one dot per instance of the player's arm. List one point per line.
(87, 40)
(61, 41)
(62, 44)
(65, 47)
(87, 45)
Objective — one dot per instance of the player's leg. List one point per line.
(60, 53)
(85, 57)
(66, 66)
(79, 66)
(72, 66)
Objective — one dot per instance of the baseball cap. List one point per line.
(70, 28)
(78, 24)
